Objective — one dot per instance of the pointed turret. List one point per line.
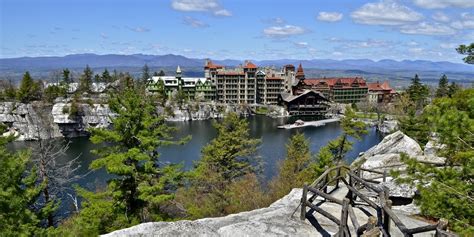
(178, 70)
(300, 73)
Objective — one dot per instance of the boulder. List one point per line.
(388, 126)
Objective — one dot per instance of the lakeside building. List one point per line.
(246, 84)
(192, 87)
(339, 90)
(381, 93)
(307, 103)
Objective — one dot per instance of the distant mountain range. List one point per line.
(170, 60)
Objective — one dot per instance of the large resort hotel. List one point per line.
(250, 84)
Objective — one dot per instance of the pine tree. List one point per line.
(447, 192)
(418, 92)
(453, 88)
(292, 169)
(28, 90)
(145, 74)
(227, 159)
(106, 76)
(66, 76)
(97, 78)
(467, 50)
(350, 128)
(162, 73)
(18, 194)
(85, 82)
(141, 184)
(443, 87)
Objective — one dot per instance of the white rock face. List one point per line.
(388, 126)
(385, 156)
(27, 122)
(274, 220)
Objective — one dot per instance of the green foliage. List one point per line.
(350, 128)
(292, 169)
(106, 77)
(54, 91)
(8, 91)
(447, 192)
(85, 81)
(443, 87)
(418, 92)
(141, 184)
(18, 193)
(467, 50)
(145, 74)
(66, 76)
(415, 126)
(227, 159)
(28, 90)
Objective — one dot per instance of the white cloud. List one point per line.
(329, 16)
(385, 12)
(467, 16)
(462, 25)
(416, 50)
(139, 29)
(212, 6)
(432, 4)
(441, 17)
(301, 44)
(284, 31)
(104, 35)
(448, 46)
(425, 28)
(413, 43)
(222, 12)
(193, 22)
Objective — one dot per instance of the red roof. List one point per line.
(376, 86)
(330, 82)
(250, 65)
(211, 65)
(299, 72)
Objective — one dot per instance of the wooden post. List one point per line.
(384, 176)
(350, 194)
(386, 217)
(343, 228)
(303, 202)
(326, 179)
(442, 226)
(337, 176)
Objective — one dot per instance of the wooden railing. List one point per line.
(354, 184)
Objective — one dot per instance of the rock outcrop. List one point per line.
(386, 155)
(275, 220)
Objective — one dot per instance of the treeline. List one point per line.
(225, 180)
(30, 89)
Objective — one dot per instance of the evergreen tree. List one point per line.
(106, 76)
(66, 76)
(415, 126)
(418, 92)
(467, 50)
(162, 73)
(155, 74)
(292, 171)
(447, 192)
(145, 73)
(227, 159)
(85, 82)
(28, 90)
(350, 128)
(453, 88)
(140, 184)
(443, 87)
(97, 78)
(18, 194)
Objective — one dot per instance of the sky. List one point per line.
(239, 29)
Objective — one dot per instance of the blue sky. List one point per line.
(239, 29)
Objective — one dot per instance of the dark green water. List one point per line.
(271, 150)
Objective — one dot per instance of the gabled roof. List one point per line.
(300, 71)
(341, 81)
(287, 97)
(385, 86)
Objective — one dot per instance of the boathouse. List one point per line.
(307, 103)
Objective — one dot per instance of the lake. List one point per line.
(271, 150)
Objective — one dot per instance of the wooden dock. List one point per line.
(317, 123)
